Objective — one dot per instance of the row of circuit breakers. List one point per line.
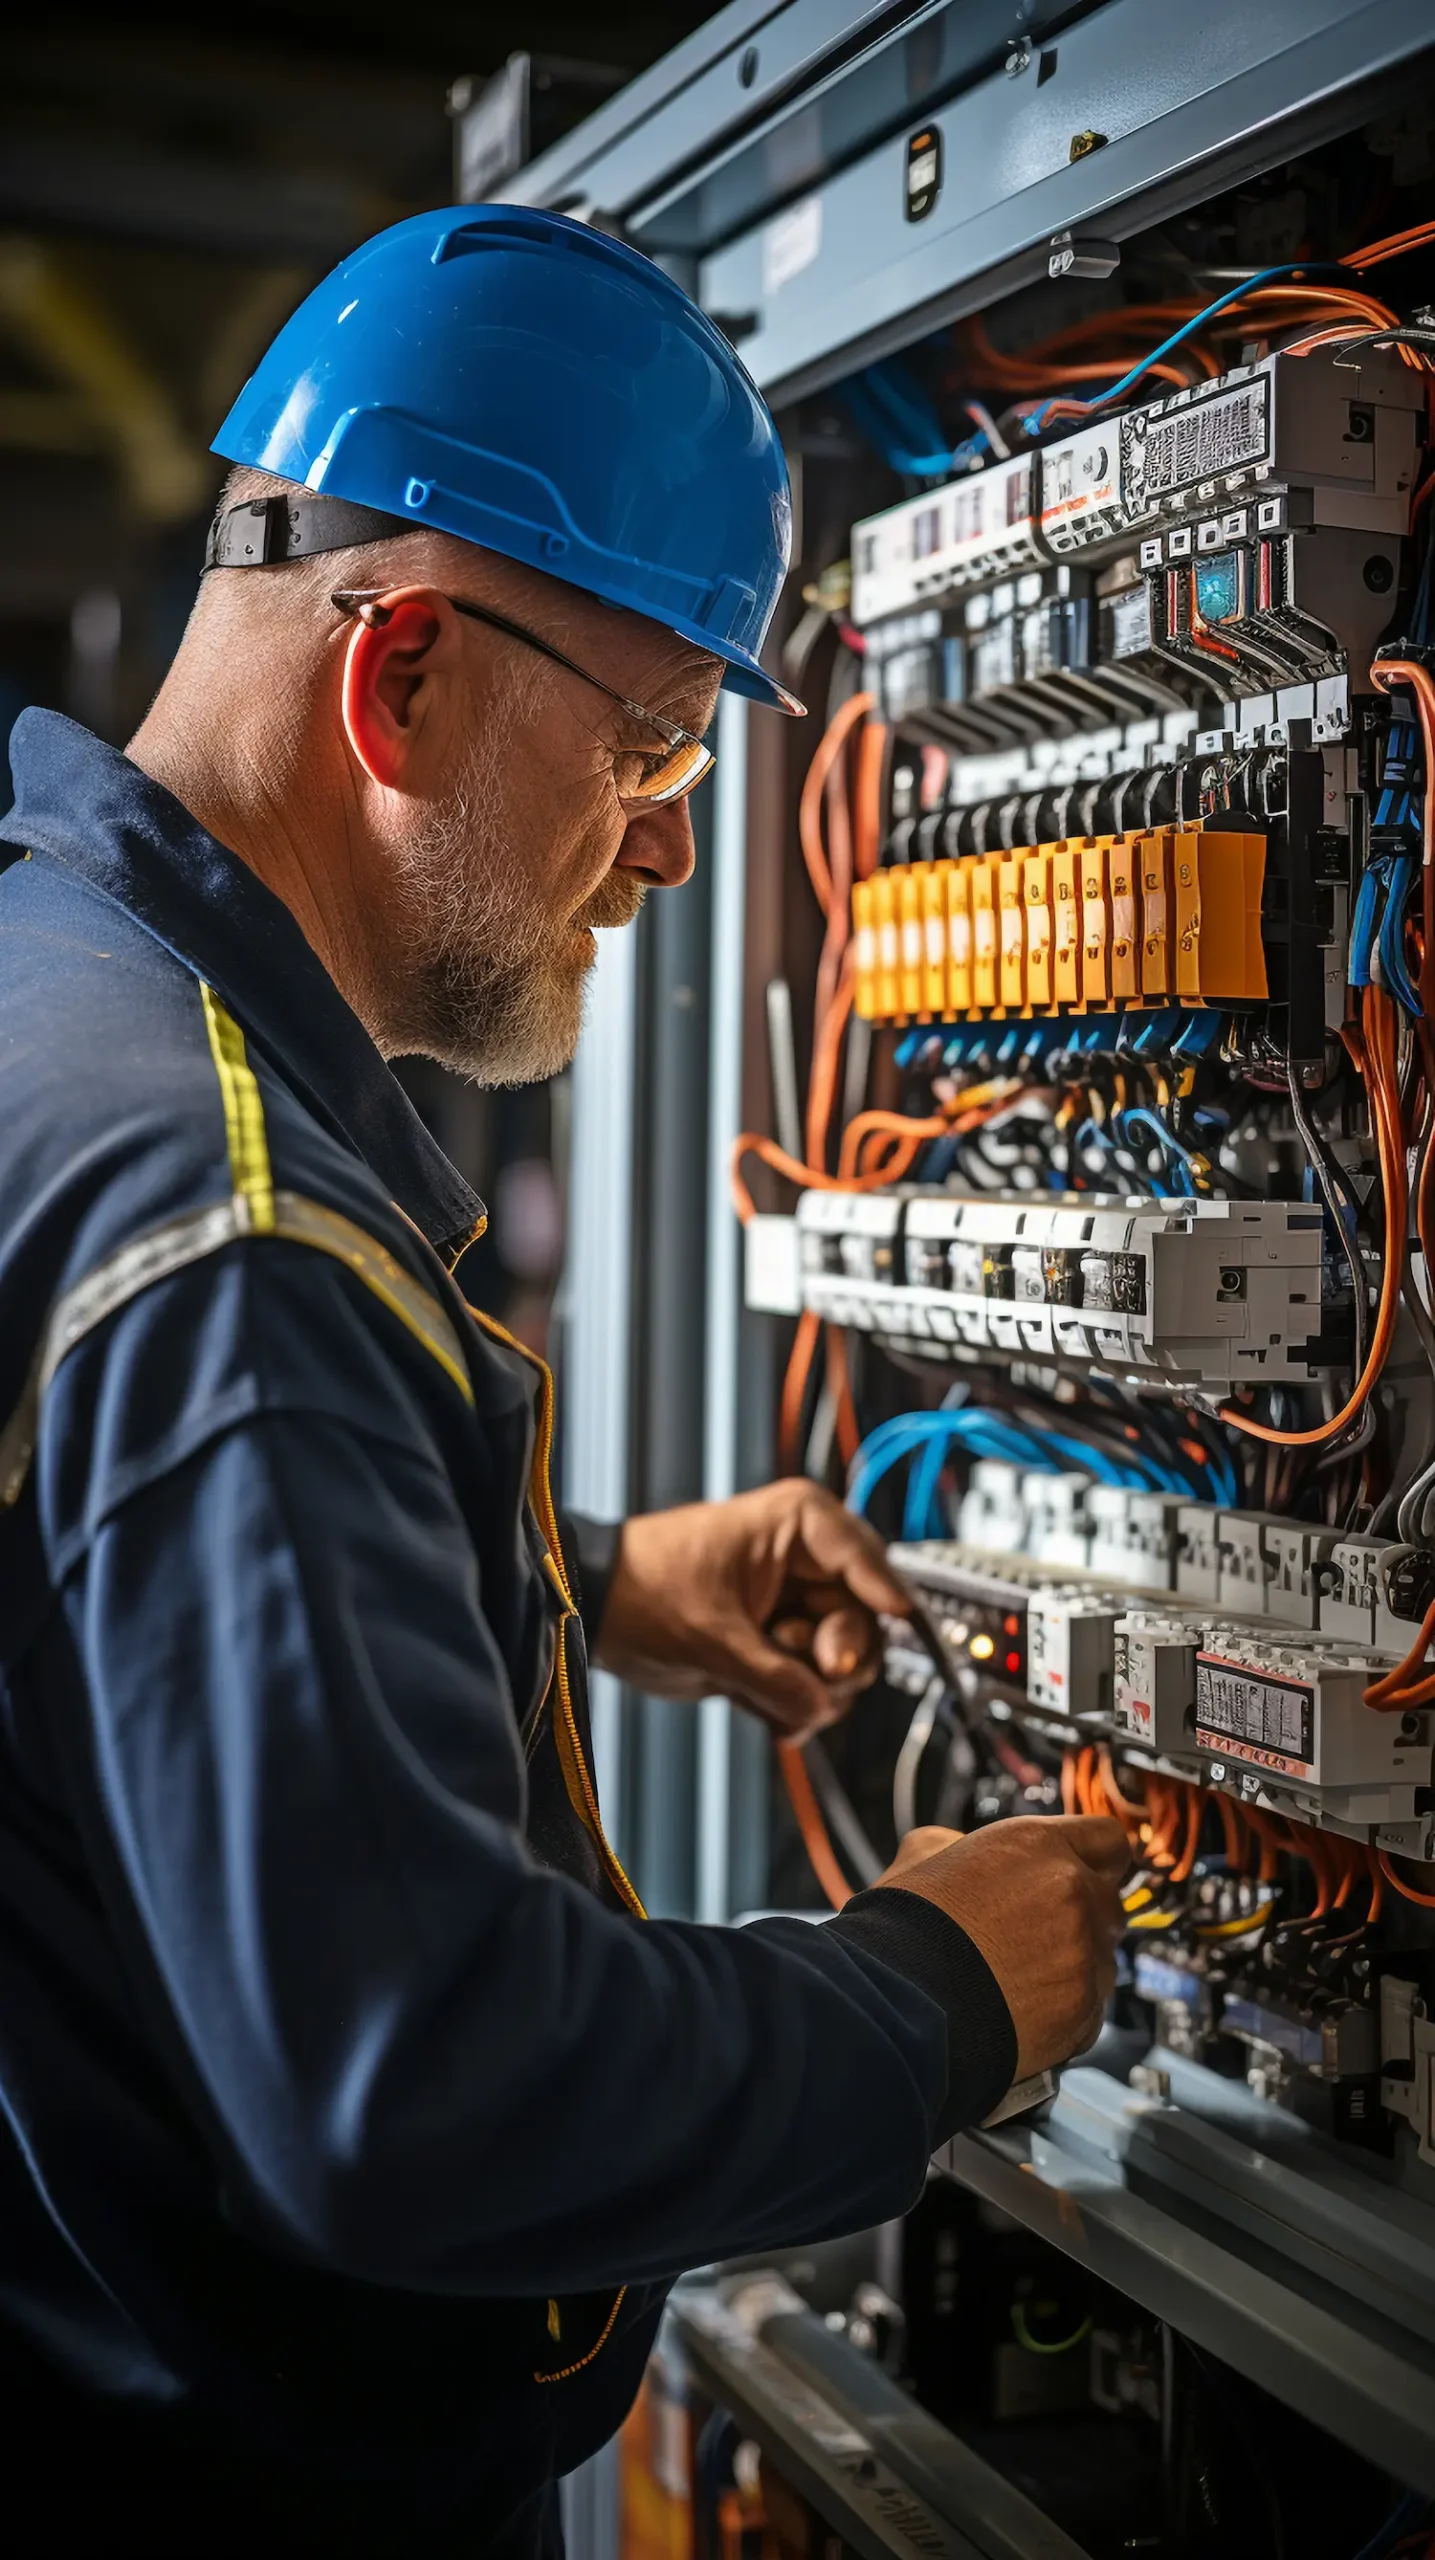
(1200, 1294)
(1062, 623)
(1233, 1645)
(1231, 1650)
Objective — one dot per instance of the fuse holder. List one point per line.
(935, 999)
(1065, 928)
(1036, 904)
(910, 880)
(984, 934)
(864, 952)
(959, 934)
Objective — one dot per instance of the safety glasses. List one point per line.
(664, 774)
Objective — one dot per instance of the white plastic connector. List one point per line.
(1289, 1723)
(1154, 1700)
(1071, 1654)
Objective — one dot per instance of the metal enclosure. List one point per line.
(764, 162)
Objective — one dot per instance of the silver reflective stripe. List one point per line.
(190, 1239)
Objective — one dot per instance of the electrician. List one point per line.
(351, 2122)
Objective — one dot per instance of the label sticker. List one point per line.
(1247, 1716)
(791, 243)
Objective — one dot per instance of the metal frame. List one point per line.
(1369, 2385)
(894, 2482)
(762, 161)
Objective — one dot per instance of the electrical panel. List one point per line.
(1093, 1265)
(1117, 1181)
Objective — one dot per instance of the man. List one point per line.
(353, 2121)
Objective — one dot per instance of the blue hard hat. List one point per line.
(528, 384)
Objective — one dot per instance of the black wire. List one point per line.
(1338, 1203)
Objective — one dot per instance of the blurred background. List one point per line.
(169, 190)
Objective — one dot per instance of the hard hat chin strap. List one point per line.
(261, 532)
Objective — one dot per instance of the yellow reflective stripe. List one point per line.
(249, 1169)
(190, 1239)
(577, 1777)
(302, 1221)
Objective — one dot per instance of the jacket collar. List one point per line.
(85, 805)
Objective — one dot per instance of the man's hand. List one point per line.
(768, 1598)
(1041, 1897)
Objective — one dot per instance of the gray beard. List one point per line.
(492, 992)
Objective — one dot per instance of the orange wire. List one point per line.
(848, 1435)
(822, 1857)
(1130, 1811)
(1194, 1807)
(809, 807)
(1378, 1052)
(1376, 252)
(1236, 1837)
(826, 1057)
(867, 799)
(1068, 1782)
(1407, 1892)
(1377, 1886)
(794, 1391)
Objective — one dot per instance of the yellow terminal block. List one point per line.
(1220, 958)
(884, 918)
(1095, 927)
(911, 877)
(1065, 926)
(1011, 933)
(864, 951)
(984, 934)
(1036, 902)
(935, 999)
(1152, 863)
(959, 934)
(1171, 915)
(1121, 872)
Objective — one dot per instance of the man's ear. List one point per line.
(388, 686)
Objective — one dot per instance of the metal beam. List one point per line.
(1188, 101)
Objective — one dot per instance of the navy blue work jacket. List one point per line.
(351, 2119)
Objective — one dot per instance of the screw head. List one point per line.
(1018, 59)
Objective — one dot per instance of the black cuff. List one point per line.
(590, 1552)
(917, 1939)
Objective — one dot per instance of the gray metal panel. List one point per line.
(1368, 2384)
(694, 96)
(724, 1280)
(1187, 97)
(597, 1289)
(893, 2480)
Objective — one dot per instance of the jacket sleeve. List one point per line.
(417, 2056)
(591, 1546)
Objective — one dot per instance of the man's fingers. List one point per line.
(841, 1544)
(777, 1685)
(1098, 1842)
(845, 1645)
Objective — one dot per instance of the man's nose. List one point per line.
(658, 845)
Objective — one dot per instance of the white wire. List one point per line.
(909, 1758)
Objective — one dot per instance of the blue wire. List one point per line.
(1178, 337)
(1392, 934)
(1362, 927)
(1138, 1117)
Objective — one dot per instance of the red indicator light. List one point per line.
(1010, 1623)
(1013, 1662)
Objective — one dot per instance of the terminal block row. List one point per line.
(1205, 1292)
(1166, 917)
